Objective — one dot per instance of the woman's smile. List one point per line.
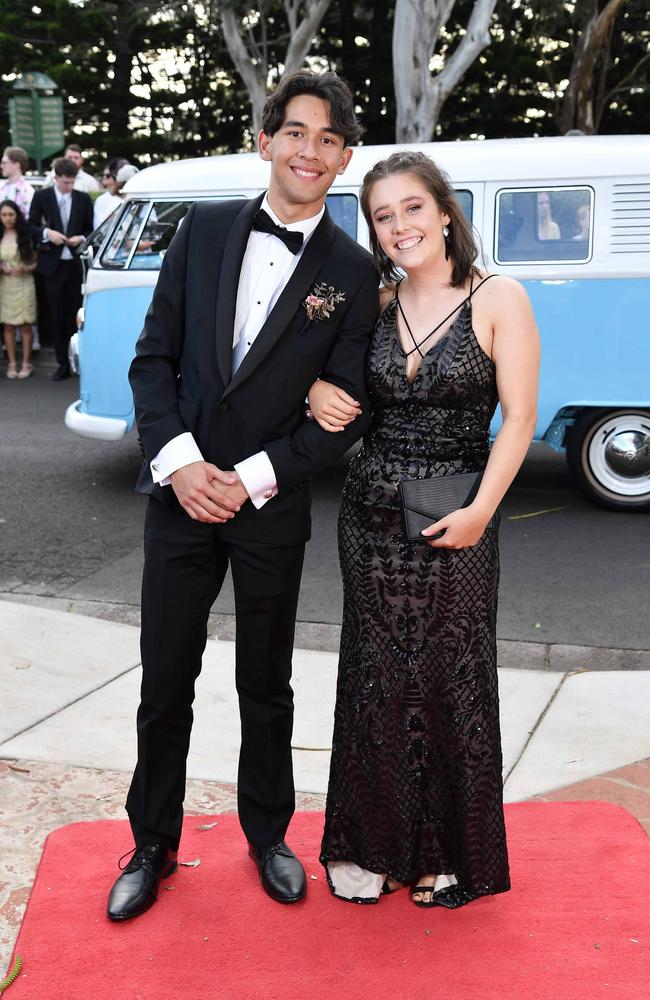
(408, 243)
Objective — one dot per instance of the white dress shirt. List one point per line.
(103, 206)
(64, 202)
(266, 268)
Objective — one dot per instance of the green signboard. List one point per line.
(36, 124)
(21, 123)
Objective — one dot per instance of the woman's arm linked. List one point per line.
(330, 406)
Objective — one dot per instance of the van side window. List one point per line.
(544, 225)
(465, 200)
(344, 210)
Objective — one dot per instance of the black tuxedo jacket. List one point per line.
(181, 375)
(44, 213)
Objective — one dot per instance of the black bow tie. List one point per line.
(263, 223)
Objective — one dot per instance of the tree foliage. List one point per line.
(153, 79)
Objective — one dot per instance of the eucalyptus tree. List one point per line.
(421, 90)
(253, 33)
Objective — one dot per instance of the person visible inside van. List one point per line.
(547, 229)
(582, 221)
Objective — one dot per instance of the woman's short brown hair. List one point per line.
(461, 244)
(17, 155)
(328, 87)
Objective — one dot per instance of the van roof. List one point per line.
(531, 160)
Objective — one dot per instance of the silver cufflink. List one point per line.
(268, 495)
(154, 466)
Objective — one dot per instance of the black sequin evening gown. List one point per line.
(415, 783)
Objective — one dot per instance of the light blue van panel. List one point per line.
(584, 324)
(595, 350)
(112, 323)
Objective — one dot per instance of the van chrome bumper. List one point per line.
(88, 426)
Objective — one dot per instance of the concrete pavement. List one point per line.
(69, 690)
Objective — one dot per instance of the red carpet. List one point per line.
(576, 925)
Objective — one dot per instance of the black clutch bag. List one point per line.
(425, 501)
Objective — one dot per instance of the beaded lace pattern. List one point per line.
(416, 783)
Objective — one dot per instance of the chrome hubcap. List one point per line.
(619, 454)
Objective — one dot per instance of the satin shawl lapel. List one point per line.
(233, 255)
(294, 293)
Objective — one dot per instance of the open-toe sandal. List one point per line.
(424, 903)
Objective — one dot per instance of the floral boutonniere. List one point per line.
(322, 301)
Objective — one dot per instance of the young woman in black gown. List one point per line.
(415, 791)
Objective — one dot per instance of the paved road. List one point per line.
(71, 528)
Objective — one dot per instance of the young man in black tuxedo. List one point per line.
(61, 218)
(255, 300)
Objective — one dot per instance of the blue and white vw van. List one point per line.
(567, 216)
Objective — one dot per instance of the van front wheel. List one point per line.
(608, 454)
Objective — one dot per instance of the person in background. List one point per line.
(14, 186)
(582, 221)
(547, 228)
(17, 288)
(109, 200)
(124, 174)
(61, 218)
(83, 181)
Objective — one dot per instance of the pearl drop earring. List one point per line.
(445, 231)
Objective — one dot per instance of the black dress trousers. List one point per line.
(63, 290)
(185, 565)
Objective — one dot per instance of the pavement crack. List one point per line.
(69, 704)
(538, 723)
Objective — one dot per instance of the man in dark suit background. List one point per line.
(254, 301)
(61, 218)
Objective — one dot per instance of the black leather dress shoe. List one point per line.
(63, 371)
(283, 877)
(137, 887)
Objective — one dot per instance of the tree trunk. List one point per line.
(578, 101)
(251, 61)
(419, 95)
(302, 32)
(253, 74)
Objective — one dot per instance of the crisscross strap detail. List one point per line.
(417, 344)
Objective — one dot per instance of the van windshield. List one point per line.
(144, 234)
(146, 228)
